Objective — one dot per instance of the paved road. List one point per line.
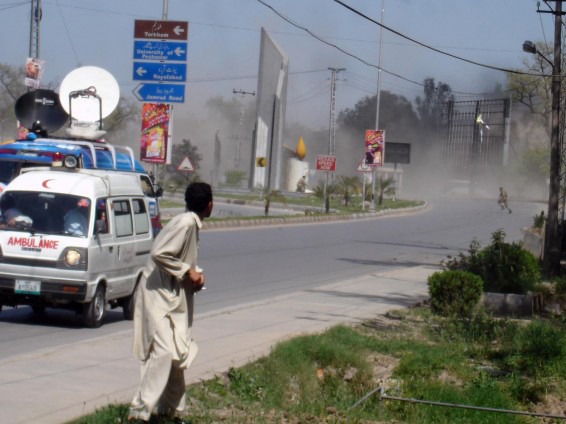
(249, 265)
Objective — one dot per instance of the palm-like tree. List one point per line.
(385, 187)
(272, 196)
(330, 190)
(347, 187)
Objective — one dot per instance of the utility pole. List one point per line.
(240, 126)
(35, 18)
(553, 239)
(332, 125)
(378, 101)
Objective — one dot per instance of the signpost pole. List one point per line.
(324, 192)
(394, 180)
(363, 190)
(165, 9)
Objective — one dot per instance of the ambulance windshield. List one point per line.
(44, 213)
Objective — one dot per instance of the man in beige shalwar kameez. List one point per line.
(163, 313)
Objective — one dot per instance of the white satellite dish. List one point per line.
(89, 94)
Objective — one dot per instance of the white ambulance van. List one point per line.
(75, 239)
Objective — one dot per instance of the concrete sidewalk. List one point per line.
(62, 383)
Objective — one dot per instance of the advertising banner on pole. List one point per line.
(375, 140)
(34, 70)
(154, 132)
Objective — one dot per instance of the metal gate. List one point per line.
(476, 132)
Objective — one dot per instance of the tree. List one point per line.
(431, 106)
(185, 148)
(331, 189)
(533, 92)
(347, 187)
(385, 187)
(11, 88)
(127, 111)
(397, 118)
(272, 196)
(396, 115)
(535, 165)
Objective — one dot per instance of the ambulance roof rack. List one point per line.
(92, 146)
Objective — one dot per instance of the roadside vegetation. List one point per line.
(336, 203)
(450, 350)
(478, 360)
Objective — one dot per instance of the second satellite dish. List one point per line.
(89, 94)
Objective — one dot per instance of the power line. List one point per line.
(496, 68)
(67, 32)
(362, 60)
(334, 45)
(12, 5)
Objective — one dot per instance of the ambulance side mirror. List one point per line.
(159, 192)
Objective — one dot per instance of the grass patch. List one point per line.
(481, 361)
(164, 203)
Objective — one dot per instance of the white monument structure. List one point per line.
(267, 149)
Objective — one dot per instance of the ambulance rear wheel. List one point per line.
(128, 304)
(95, 310)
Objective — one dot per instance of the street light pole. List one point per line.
(331, 128)
(378, 101)
(552, 239)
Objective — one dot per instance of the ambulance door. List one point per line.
(142, 230)
(125, 250)
(103, 251)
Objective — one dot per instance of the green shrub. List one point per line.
(539, 344)
(560, 286)
(503, 267)
(454, 292)
(234, 177)
(470, 262)
(507, 267)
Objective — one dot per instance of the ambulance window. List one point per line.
(102, 215)
(122, 218)
(140, 216)
(146, 186)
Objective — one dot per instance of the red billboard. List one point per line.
(154, 132)
(325, 163)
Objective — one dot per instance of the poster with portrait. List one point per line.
(375, 142)
(34, 70)
(154, 132)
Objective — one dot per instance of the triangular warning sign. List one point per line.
(363, 167)
(185, 165)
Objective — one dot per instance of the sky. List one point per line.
(223, 44)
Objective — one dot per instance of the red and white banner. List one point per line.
(325, 163)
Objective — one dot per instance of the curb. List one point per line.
(240, 223)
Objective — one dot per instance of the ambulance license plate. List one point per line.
(27, 287)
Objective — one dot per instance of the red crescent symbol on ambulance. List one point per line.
(44, 184)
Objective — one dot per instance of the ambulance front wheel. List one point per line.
(95, 310)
